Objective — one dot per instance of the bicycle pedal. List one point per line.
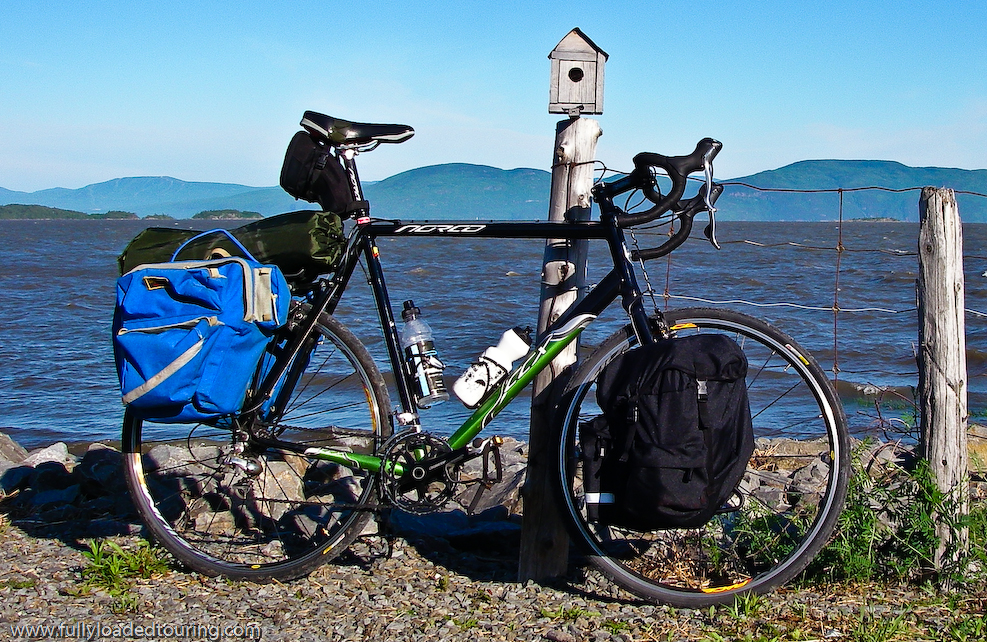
(489, 449)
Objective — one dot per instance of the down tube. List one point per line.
(511, 387)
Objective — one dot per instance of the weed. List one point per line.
(615, 626)
(567, 614)
(467, 624)
(977, 525)
(111, 566)
(746, 606)
(26, 583)
(125, 603)
(877, 629)
(113, 569)
(482, 596)
(888, 529)
(800, 610)
(967, 629)
(442, 582)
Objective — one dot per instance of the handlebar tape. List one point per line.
(685, 211)
(678, 169)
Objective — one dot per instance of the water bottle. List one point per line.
(423, 360)
(492, 366)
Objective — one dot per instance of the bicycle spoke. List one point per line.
(785, 506)
(225, 504)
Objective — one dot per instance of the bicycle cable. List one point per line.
(650, 290)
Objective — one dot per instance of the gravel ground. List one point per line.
(425, 590)
(444, 577)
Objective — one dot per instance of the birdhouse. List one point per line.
(577, 76)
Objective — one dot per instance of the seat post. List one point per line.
(348, 158)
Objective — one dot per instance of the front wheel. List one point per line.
(227, 500)
(789, 498)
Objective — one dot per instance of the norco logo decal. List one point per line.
(440, 228)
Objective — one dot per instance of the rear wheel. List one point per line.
(226, 503)
(786, 505)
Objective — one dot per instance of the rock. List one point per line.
(812, 478)
(50, 475)
(507, 492)
(431, 525)
(281, 485)
(10, 450)
(100, 471)
(556, 635)
(62, 496)
(13, 477)
(57, 452)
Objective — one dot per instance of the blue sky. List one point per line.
(207, 91)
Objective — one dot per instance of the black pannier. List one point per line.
(675, 437)
(302, 244)
(312, 173)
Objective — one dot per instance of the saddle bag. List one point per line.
(188, 336)
(310, 172)
(675, 436)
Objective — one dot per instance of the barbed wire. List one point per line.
(839, 249)
(841, 190)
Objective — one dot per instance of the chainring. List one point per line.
(415, 474)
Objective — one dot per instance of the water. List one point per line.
(58, 284)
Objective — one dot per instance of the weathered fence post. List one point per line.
(942, 364)
(544, 541)
(576, 87)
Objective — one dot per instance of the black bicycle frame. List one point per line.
(362, 243)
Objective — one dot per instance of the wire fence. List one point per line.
(887, 406)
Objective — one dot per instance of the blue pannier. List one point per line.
(188, 335)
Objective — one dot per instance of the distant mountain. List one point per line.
(148, 195)
(464, 191)
(7, 195)
(743, 203)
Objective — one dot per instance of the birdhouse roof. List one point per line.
(576, 41)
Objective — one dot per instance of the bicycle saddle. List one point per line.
(342, 132)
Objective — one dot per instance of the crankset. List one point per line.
(419, 472)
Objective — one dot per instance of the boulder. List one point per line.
(506, 492)
(10, 450)
(57, 452)
(100, 471)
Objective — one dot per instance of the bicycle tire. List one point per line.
(786, 517)
(290, 513)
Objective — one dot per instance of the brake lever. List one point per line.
(710, 231)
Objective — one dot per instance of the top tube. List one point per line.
(490, 229)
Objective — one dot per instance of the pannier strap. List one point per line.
(246, 252)
(341, 132)
(703, 394)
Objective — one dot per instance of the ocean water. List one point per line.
(57, 285)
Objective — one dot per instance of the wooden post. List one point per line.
(942, 362)
(544, 540)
